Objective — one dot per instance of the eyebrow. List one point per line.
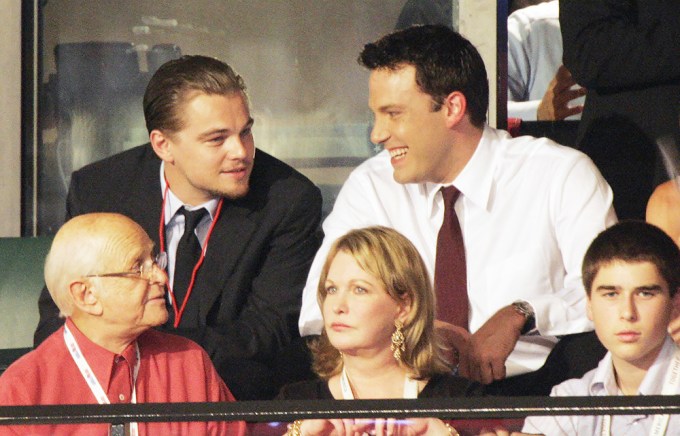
(390, 107)
(209, 133)
(637, 288)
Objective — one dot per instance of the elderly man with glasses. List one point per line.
(102, 275)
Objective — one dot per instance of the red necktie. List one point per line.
(450, 276)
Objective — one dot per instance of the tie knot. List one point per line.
(192, 217)
(450, 194)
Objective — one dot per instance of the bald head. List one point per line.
(90, 244)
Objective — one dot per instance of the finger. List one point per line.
(362, 426)
(380, 427)
(339, 427)
(572, 94)
(390, 427)
(464, 365)
(497, 369)
(486, 373)
(572, 110)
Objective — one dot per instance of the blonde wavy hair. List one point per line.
(390, 257)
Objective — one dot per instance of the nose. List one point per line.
(339, 303)
(236, 147)
(158, 276)
(627, 308)
(379, 134)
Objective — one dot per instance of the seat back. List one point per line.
(21, 280)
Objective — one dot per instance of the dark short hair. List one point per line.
(444, 62)
(175, 79)
(633, 241)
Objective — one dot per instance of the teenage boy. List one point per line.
(631, 274)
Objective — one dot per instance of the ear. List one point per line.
(454, 108)
(161, 145)
(85, 298)
(589, 310)
(404, 310)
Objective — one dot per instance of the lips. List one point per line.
(338, 326)
(628, 336)
(396, 153)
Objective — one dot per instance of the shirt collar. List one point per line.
(100, 359)
(604, 380)
(475, 182)
(173, 204)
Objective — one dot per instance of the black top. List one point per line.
(439, 386)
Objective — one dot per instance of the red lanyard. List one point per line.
(161, 236)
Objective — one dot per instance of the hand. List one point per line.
(327, 427)
(455, 340)
(503, 432)
(410, 427)
(490, 346)
(555, 103)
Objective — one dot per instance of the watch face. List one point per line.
(524, 307)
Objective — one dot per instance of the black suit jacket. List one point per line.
(249, 287)
(627, 53)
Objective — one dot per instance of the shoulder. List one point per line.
(449, 385)
(306, 390)
(575, 386)
(122, 172)
(666, 194)
(124, 160)
(155, 342)
(542, 157)
(375, 172)
(538, 12)
(275, 181)
(25, 374)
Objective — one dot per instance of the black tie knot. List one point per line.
(192, 218)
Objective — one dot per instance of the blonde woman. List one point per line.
(379, 338)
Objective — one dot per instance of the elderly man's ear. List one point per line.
(85, 297)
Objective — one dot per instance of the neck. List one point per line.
(112, 341)
(375, 377)
(629, 375)
(186, 193)
(466, 142)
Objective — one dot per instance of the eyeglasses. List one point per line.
(145, 271)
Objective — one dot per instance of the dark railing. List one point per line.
(287, 411)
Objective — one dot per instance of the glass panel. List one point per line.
(298, 58)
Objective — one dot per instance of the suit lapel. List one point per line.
(229, 239)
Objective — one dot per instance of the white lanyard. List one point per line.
(410, 387)
(670, 385)
(91, 379)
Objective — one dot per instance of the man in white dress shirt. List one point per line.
(528, 207)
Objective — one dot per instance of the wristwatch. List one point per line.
(525, 309)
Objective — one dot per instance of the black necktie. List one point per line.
(450, 274)
(188, 253)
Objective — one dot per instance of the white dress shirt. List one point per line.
(599, 382)
(534, 55)
(528, 210)
(174, 224)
